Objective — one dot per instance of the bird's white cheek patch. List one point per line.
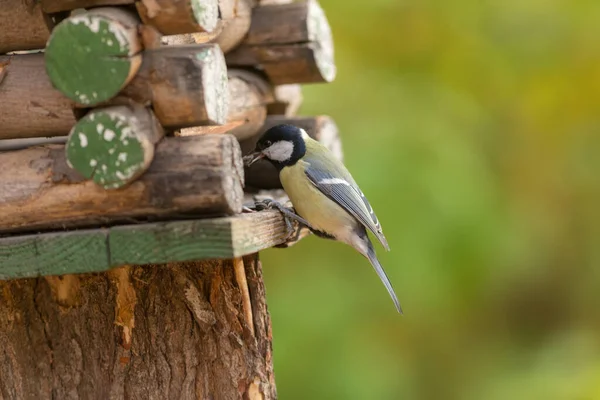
(280, 151)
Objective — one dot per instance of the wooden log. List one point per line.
(186, 85)
(30, 105)
(91, 56)
(202, 174)
(292, 43)
(98, 250)
(113, 146)
(172, 17)
(288, 99)
(22, 26)
(262, 174)
(249, 95)
(176, 330)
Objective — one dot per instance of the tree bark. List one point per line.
(172, 331)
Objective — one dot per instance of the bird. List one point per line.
(323, 193)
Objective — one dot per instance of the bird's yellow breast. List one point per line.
(311, 204)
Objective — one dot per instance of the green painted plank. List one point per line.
(54, 254)
(225, 237)
(72, 252)
(171, 241)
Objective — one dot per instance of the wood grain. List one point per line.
(22, 26)
(159, 331)
(30, 105)
(195, 175)
(291, 42)
(53, 254)
(96, 250)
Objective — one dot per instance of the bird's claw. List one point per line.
(289, 216)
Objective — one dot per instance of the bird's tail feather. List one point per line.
(382, 275)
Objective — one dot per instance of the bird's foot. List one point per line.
(290, 217)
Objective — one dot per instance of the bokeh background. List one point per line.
(474, 129)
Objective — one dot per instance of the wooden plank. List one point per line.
(218, 238)
(72, 252)
(54, 254)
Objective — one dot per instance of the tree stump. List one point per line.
(172, 331)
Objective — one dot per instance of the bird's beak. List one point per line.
(252, 158)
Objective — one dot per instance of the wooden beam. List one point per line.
(262, 174)
(97, 250)
(23, 26)
(188, 176)
(91, 56)
(30, 105)
(249, 95)
(113, 146)
(291, 43)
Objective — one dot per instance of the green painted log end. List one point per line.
(113, 146)
(90, 57)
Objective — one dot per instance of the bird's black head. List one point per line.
(283, 145)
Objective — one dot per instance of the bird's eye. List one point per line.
(268, 143)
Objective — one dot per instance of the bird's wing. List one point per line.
(333, 179)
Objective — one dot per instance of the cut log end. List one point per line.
(249, 94)
(188, 84)
(174, 17)
(113, 146)
(215, 82)
(91, 56)
(320, 35)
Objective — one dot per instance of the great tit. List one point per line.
(322, 192)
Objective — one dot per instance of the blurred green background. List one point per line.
(474, 129)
